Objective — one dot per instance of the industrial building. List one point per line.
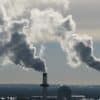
(45, 91)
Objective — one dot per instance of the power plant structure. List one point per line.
(46, 91)
(62, 92)
(44, 86)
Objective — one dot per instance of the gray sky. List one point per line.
(86, 13)
(87, 16)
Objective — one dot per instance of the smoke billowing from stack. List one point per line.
(85, 53)
(20, 53)
(25, 22)
(79, 49)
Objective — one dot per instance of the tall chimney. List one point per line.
(44, 86)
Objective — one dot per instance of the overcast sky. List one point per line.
(86, 13)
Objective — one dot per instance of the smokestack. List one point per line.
(44, 86)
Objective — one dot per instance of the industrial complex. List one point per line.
(46, 91)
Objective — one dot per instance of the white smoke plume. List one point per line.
(25, 22)
(84, 50)
(22, 23)
(79, 49)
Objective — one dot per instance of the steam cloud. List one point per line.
(25, 22)
(79, 49)
(20, 53)
(85, 53)
(22, 23)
